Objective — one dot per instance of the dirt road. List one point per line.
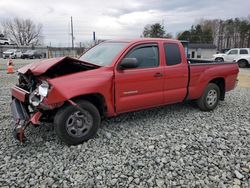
(244, 78)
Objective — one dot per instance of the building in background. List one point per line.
(204, 51)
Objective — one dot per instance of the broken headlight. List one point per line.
(37, 96)
(43, 89)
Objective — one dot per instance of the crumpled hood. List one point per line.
(38, 68)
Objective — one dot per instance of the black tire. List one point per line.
(67, 115)
(206, 102)
(6, 43)
(242, 63)
(219, 59)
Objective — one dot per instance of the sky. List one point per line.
(113, 19)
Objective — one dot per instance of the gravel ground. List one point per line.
(172, 146)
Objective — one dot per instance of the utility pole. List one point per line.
(72, 34)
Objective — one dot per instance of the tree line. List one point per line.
(229, 33)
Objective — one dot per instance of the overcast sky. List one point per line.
(113, 19)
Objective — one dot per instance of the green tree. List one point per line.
(155, 30)
(185, 35)
(197, 34)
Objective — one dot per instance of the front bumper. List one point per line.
(19, 93)
(8, 56)
(18, 111)
(21, 114)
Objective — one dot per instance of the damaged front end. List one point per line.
(29, 104)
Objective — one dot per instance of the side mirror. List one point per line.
(128, 63)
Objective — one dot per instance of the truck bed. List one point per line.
(206, 61)
(204, 71)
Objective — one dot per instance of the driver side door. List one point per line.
(232, 54)
(140, 87)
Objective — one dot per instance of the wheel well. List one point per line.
(219, 58)
(96, 99)
(242, 60)
(220, 82)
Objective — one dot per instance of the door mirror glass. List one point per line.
(128, 63)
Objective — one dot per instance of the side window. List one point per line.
(146, 55)
(172, 54)
(243, 51)
(233, 52)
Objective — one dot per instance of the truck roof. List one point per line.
(143, 39)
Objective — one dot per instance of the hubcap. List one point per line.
(211, 97)
(79, 123)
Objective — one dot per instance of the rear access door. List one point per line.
(176, 73)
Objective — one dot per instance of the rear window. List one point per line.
(244, 51)
(172, 54)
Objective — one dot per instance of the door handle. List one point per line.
(158, 74)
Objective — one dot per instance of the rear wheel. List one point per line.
(242, 63)
(210, 98)
(74, 126)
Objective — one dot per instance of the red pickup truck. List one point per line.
(112, 78)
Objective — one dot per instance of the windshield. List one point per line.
(103, 54)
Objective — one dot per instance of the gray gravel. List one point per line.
(176, 145)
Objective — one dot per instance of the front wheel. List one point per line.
(219, 59)
(74, 126)
(210, 98)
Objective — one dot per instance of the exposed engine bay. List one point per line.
(37, 85)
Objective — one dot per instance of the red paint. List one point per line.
(35, 118)
(41, 67)
(19, 93)
(111, 83)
